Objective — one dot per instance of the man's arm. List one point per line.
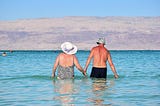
(78, 65)
(55, 66)
(89, 60)
(112, 66)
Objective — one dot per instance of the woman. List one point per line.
(66, 61)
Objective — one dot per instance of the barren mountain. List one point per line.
(121, 33)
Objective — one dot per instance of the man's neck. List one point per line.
(102, 45)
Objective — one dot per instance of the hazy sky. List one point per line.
(27, 9)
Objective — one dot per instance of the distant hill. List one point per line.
(121, 33)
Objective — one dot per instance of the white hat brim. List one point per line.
(73, 51)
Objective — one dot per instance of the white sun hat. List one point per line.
(68, 48)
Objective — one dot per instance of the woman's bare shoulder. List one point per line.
(61, 55)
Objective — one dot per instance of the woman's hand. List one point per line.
(53, 75)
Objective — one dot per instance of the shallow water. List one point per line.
(25, 80)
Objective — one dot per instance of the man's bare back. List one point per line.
(100, 56)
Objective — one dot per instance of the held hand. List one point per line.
(84, 73)
(85, 70)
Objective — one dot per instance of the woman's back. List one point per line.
(66, 60)
(66, 66)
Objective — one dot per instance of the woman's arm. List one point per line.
(78, 66)
(55, 66)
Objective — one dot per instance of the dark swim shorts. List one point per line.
(99, 72)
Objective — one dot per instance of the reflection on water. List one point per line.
(64, 86)
(69, 92)
(99, 87)
(65, 89)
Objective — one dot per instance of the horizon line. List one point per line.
(72, 16)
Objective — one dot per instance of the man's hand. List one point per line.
(116, 76)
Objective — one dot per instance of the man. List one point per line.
(100, 56)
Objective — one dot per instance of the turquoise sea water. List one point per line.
(25, 81)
